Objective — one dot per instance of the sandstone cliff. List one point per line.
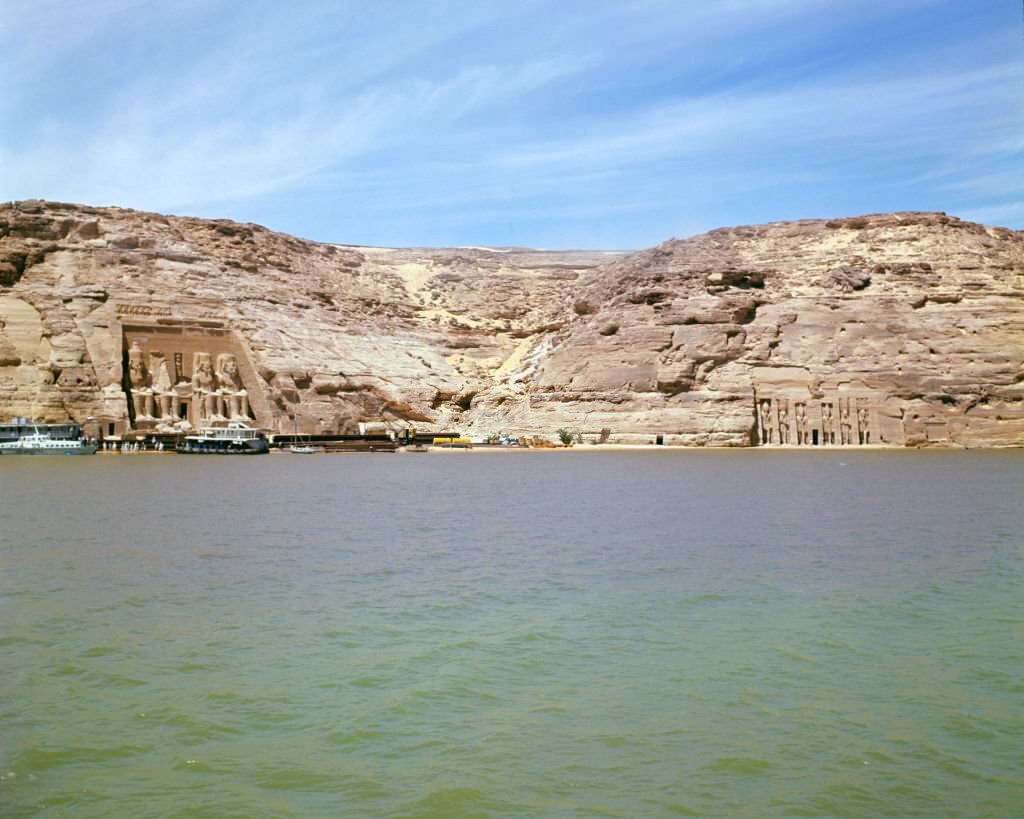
(900, 329)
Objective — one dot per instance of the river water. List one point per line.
(519, 634)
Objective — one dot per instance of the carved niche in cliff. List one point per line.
(788, 415)
(179, 376)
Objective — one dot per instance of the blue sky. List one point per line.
(546, 123)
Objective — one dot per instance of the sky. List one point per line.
(542, 123)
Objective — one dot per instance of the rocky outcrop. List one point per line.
(898, 329)
(325, 336)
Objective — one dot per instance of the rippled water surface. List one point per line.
(520, 634)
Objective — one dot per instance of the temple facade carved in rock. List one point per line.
(793, 409)
(801, 420)
(178, 377)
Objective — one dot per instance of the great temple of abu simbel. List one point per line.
(181, 376)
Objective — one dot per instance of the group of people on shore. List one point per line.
(131, 447)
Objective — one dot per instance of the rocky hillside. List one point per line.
(899, 329)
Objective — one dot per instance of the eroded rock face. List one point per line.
(325, 336)
(901, 329)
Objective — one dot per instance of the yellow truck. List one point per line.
(453, 443)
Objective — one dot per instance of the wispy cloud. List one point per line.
(504, 123)
(153, 150)
(886, 113)
(1005, 214)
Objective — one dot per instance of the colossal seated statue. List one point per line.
(162, 385)
(204, 389)
(138, 379)
(230, 380)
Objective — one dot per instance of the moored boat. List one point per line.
(234, 439)
(42, 443)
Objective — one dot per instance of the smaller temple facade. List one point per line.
(835, 419)
(792, 409)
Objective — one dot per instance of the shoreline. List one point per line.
(683, 448)
(597, 448)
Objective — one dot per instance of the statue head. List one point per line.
(226, 364)
(202, 371)
(227, 371)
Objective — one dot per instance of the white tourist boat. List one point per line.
(234, 439)
(42, 443)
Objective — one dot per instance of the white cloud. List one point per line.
(885, 112)
(1005, 213)
(208, 142)
(991, 185)
(527, 109)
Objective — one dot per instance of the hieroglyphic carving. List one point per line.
(139, 310)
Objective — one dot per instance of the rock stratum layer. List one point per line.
(902, 329)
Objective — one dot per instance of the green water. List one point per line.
(536, 634)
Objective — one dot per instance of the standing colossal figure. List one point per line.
(801, 425)
(845, 426)
(828, 434)
(862, 425)
(766, 421)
